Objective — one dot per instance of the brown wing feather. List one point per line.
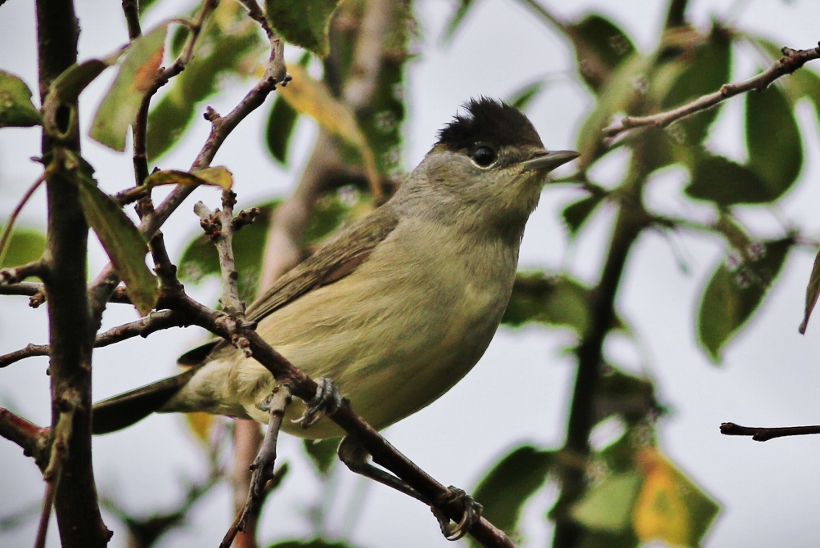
(333, 261)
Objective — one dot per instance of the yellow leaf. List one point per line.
(214, 176)
(200, 424)
(660, 511)
(311, 97)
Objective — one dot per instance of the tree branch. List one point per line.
(70, 334)
(32, 438)
(790, 62)
(766, 434)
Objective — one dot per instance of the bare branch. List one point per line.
(130, 8)
(32, 438)
(766, 434)
(790, 62)
(17, 274)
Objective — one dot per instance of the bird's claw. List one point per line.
(472, 513)
(326, 402)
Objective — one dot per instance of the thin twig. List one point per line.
(262, 467)
(45, 515)
(29, 436)
(17, 274)
(130, 8)
(790, 62)
(766, 434)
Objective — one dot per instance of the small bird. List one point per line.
(396, 308)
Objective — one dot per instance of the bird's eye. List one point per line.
(484, 156)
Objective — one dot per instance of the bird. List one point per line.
(395, 308)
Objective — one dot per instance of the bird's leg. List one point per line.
(355, 457)
(326, 402)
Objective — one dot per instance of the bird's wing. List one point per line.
(332, 262)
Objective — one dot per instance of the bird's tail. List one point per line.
(126, 409)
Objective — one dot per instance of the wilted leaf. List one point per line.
(213, 176)
(322, 453)
(522, 97)
(576, 213)
(812, 292)
(23, 247)
(230, 44)
(670, 507)
(608, 506)
(734, 293)
(122, 241)
(510, 483)
(726, 183)
(121, 103)
(311, 97)
(773, 140)
(304, 23)
(16, 108)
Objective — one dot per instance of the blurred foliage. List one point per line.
(322, 453)
(119, 108)
(16, 108)
(303, 23)
(315, 543)
(508, 485)
(230, 44)
(23, 247)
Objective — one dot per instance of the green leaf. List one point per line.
(122, 241)
(322, 453)
(734, 293)
(576, 213)
(773, 140)
(510, 483)
(726, 183)
(628, 396)
(229, 44)
(552, 300)
(455, 21)
(303, 23)
(73, 80)
(315, 543)
(121, 103)
(608, 506)
(703, 71)
(812, 292)
(16, 108)
(24, 246)
(523, 96)
(600, 47)
(281, 122)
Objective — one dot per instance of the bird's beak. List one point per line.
(549, 160)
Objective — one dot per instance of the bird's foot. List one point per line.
(326, 402)
(472, 513)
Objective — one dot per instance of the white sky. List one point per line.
(520, 389)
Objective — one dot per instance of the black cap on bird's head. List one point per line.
(488, 121)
